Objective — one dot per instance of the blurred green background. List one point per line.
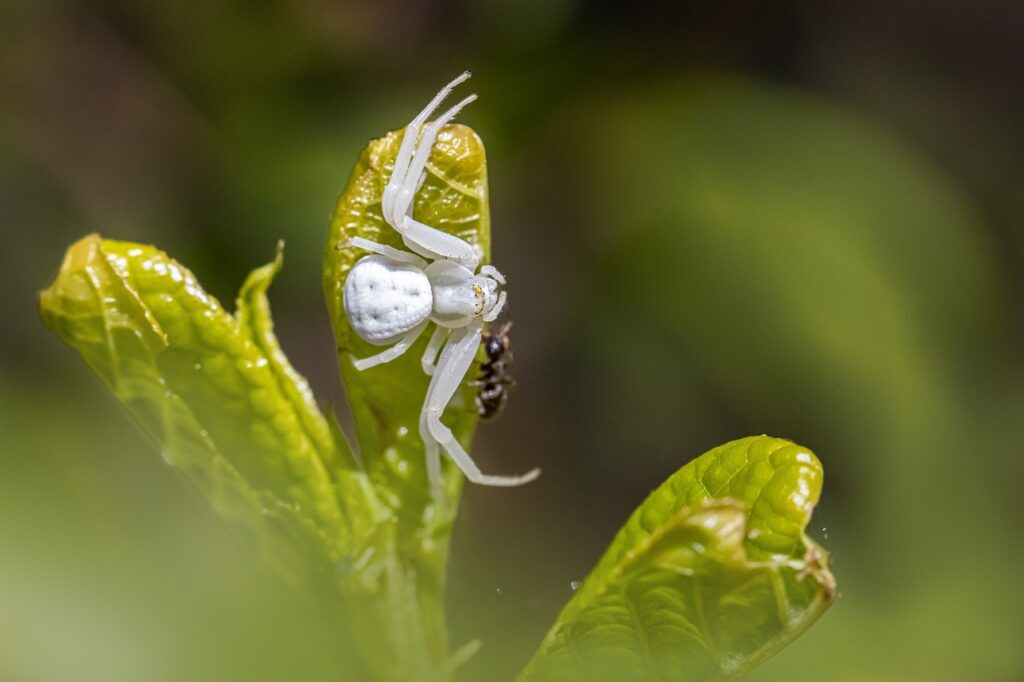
(716, 219)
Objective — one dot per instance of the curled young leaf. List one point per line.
(386, 400)
(219, 397)
(710, 576)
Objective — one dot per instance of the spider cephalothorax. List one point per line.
(392, 296)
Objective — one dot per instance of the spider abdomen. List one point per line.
(385, 299)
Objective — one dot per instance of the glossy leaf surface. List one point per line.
(220, 398)
(224, 406)
(710, 576)
(213, 389)
(386, 400)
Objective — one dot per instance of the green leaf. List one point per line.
(225, 406)
(710, 576)
(222, 401)
(219, 398)
(820, 272)
(386, 400)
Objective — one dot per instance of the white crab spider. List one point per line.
(392, 296)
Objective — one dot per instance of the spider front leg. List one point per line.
(394, 202)
(455, 361)
(406, 179)
(417, 167)
(432, 243)
(423, 239)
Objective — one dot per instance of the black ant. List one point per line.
(495, 380)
